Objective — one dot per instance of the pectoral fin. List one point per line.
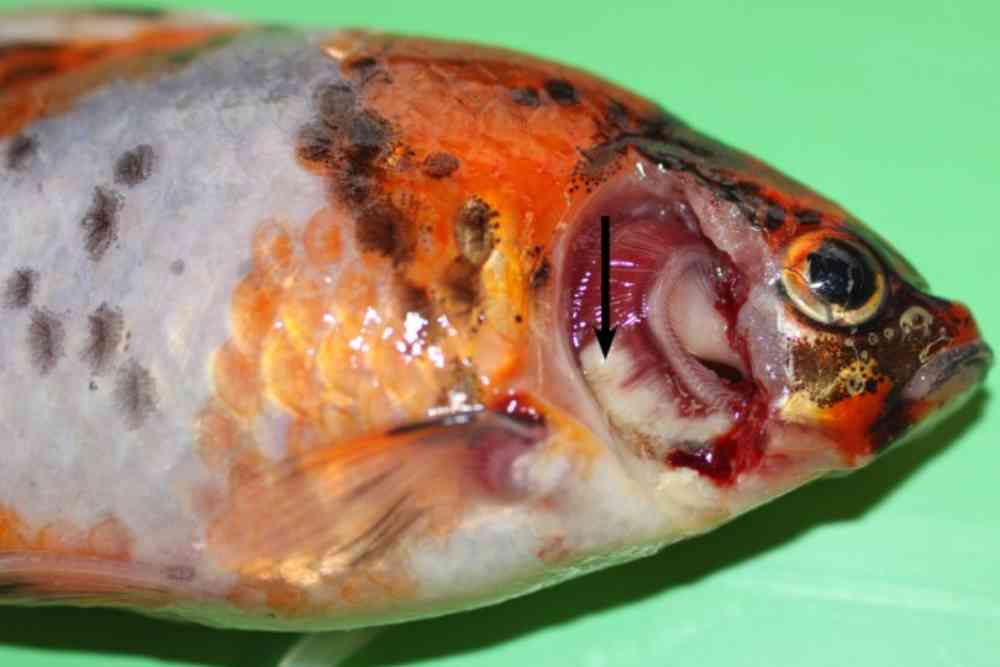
(344, 511)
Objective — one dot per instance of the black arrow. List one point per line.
(606, 334)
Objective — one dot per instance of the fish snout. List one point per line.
(949, 373)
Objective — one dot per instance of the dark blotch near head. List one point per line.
(177, 267)
(315, 143)
(367, 134)
(21, 148)
(100, 224)
(135, 394)
(336, 104)
(561, 91)
(526, 97)
(135, 166)
(807, 216)
(365, 69)
(775, 217)
(20, 288)
(473, 235)
(46, 340)
(105, 326)
(440, 165)
(382, 228)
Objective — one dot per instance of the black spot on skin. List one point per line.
(355, 185)
(472, 231)
(135, 166)
(382, 228)
(345, 140)
(177, 267)
(526, 97)
(440, 165)
(92, 386)
(20, 288)
(21, 148)
(775, 217)
(100, 224)
(315, 143)
(105, 326)
(807, 216)
(46, 340)
(362, 63)
(367, 134)
(364, 69)
(336, 104)
(540, 277)
(561, 91)
(135, 394)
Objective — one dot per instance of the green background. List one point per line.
(890, 108)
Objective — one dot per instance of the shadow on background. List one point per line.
(109, 632)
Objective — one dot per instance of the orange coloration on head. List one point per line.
(41, 79)
(848, 421)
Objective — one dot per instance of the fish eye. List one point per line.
(833, 280)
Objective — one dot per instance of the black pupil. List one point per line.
(840, 276)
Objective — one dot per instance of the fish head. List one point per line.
(765, 336)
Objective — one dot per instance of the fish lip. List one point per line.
(967, 364)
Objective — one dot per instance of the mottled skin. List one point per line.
(374, 392)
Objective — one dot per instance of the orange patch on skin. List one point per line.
(37, 82)
(12, 531)
(252, 309)
(107, 540)
(848, 422)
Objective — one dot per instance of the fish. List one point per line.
(320, 331)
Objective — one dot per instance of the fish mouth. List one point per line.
(674, 296)
(949, 373)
